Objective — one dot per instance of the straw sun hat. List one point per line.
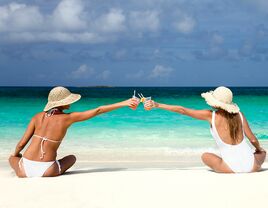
(60, 96)
(221, 97)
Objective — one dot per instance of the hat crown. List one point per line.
(58, 93)
(223, 94)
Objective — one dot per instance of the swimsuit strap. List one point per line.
(42, 143)
(213, 118)
(242, 123)
(213, 123)
(51, 112)
(214, 129)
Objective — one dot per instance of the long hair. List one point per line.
(234, 124)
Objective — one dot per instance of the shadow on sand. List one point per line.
(94, 170)
(98, 170)
(261, 170)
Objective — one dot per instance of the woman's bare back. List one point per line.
(51, 127)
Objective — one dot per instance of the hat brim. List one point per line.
(210, 99)
(72, 98)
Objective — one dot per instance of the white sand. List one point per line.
(129, 188)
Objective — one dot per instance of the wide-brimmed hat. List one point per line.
(60, 96)
(221, 97)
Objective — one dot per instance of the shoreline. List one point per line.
(130, 158)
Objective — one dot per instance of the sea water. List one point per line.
(126, 135)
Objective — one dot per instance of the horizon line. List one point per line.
(111, 86)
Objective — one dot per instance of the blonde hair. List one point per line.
(234, 124)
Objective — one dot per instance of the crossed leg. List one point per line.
(259, 160)
(53, 170)
(65, 164)
(215, 163)
(14, 163)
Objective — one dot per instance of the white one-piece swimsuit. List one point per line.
(239, 157)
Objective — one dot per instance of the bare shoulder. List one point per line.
(208, 114)
(66, 117)
(198, 114)
(38, 115)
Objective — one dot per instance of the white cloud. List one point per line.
(185, 24)
(160, 71)
(144, 20)
(77, 21)
(68, 15)
(20, 17)
(82, 72)
(68, 22)
(83, 37)
(72, 21)
(113, 21)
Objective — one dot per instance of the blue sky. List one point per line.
(134, 42)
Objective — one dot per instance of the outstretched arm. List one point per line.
(25, 139)
(198, 114)
(252, 138)
(82, 116)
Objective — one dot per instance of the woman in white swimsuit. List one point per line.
(229, 128)
(47, 129)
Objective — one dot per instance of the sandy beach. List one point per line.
(137, 91)
(132, 188)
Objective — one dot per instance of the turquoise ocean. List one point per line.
(127, 136)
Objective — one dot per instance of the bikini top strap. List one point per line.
(51, 112)
(42, 150)
(42, 143)
(46, 139)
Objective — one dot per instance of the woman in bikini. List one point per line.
(229, 128)
(47, 129)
